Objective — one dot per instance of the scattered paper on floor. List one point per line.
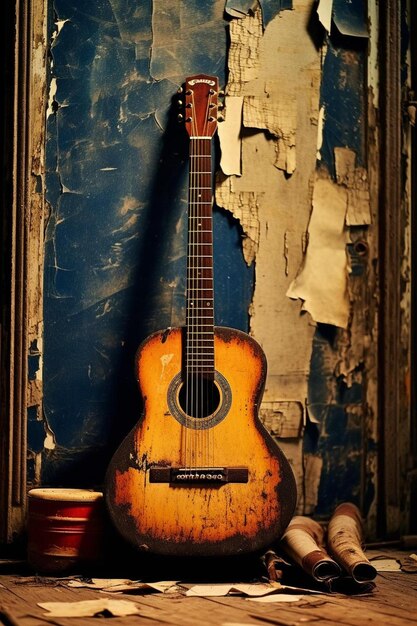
(384, 564)
(115, 585)
(256, 589)
(279, 597)
(246, 589)
(90, 608)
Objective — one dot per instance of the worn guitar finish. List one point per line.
(199, 474)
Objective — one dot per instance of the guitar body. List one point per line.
(200, 486)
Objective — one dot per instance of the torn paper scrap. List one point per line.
(255, 589)
(320, 127)
(283, 418)
(245, 589)
(89, 608)
(355, 179)
(278, 116)
(279, 597)
(229, 136)
(324, 11)
(384, 564)
(243, 58)
(114, 585)
(104, 583)
(322, 281)
(244, 206)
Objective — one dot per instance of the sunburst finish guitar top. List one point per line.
(199, 475)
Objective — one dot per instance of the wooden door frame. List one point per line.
(23, 103)
(413, 202)
(395, 379)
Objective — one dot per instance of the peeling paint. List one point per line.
(373, 65)
(280, 98)
(322, 280)
(49, 441)
(229, 136)
(279, 117)
(324, 11)
(320, 124)
(243, 56)
(355, 179)
(283, 419)
(313, 466)
(244, 206)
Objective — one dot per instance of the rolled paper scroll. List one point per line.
(344, 541)
(303, 541)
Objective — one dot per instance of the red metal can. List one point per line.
(65, 529)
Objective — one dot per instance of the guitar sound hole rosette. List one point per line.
(199, 423)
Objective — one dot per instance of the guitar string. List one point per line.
(189, 381)
(191, 378)
(202, 237)
(208, 212)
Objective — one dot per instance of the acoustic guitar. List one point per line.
(199, 475)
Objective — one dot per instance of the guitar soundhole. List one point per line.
(197, 402)
(199, 397)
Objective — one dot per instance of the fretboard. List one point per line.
(200, 306)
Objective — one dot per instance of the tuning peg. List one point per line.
(180, 117)
(180, 90)
(180, 103)
(221, 93)
(220, 106)
(189, 119)
(220, 118)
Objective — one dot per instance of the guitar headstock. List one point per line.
(201, 105)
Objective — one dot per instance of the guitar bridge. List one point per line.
(198, 475)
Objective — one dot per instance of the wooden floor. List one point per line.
(393, 601)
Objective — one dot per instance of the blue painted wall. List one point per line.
(341, 437)
(116, 233)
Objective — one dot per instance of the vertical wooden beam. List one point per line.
(392, 397)
(412, 11)
(23, 126)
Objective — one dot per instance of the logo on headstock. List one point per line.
(195, 81)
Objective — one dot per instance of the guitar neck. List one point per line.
(200, 306)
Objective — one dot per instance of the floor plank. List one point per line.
(392, 602)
